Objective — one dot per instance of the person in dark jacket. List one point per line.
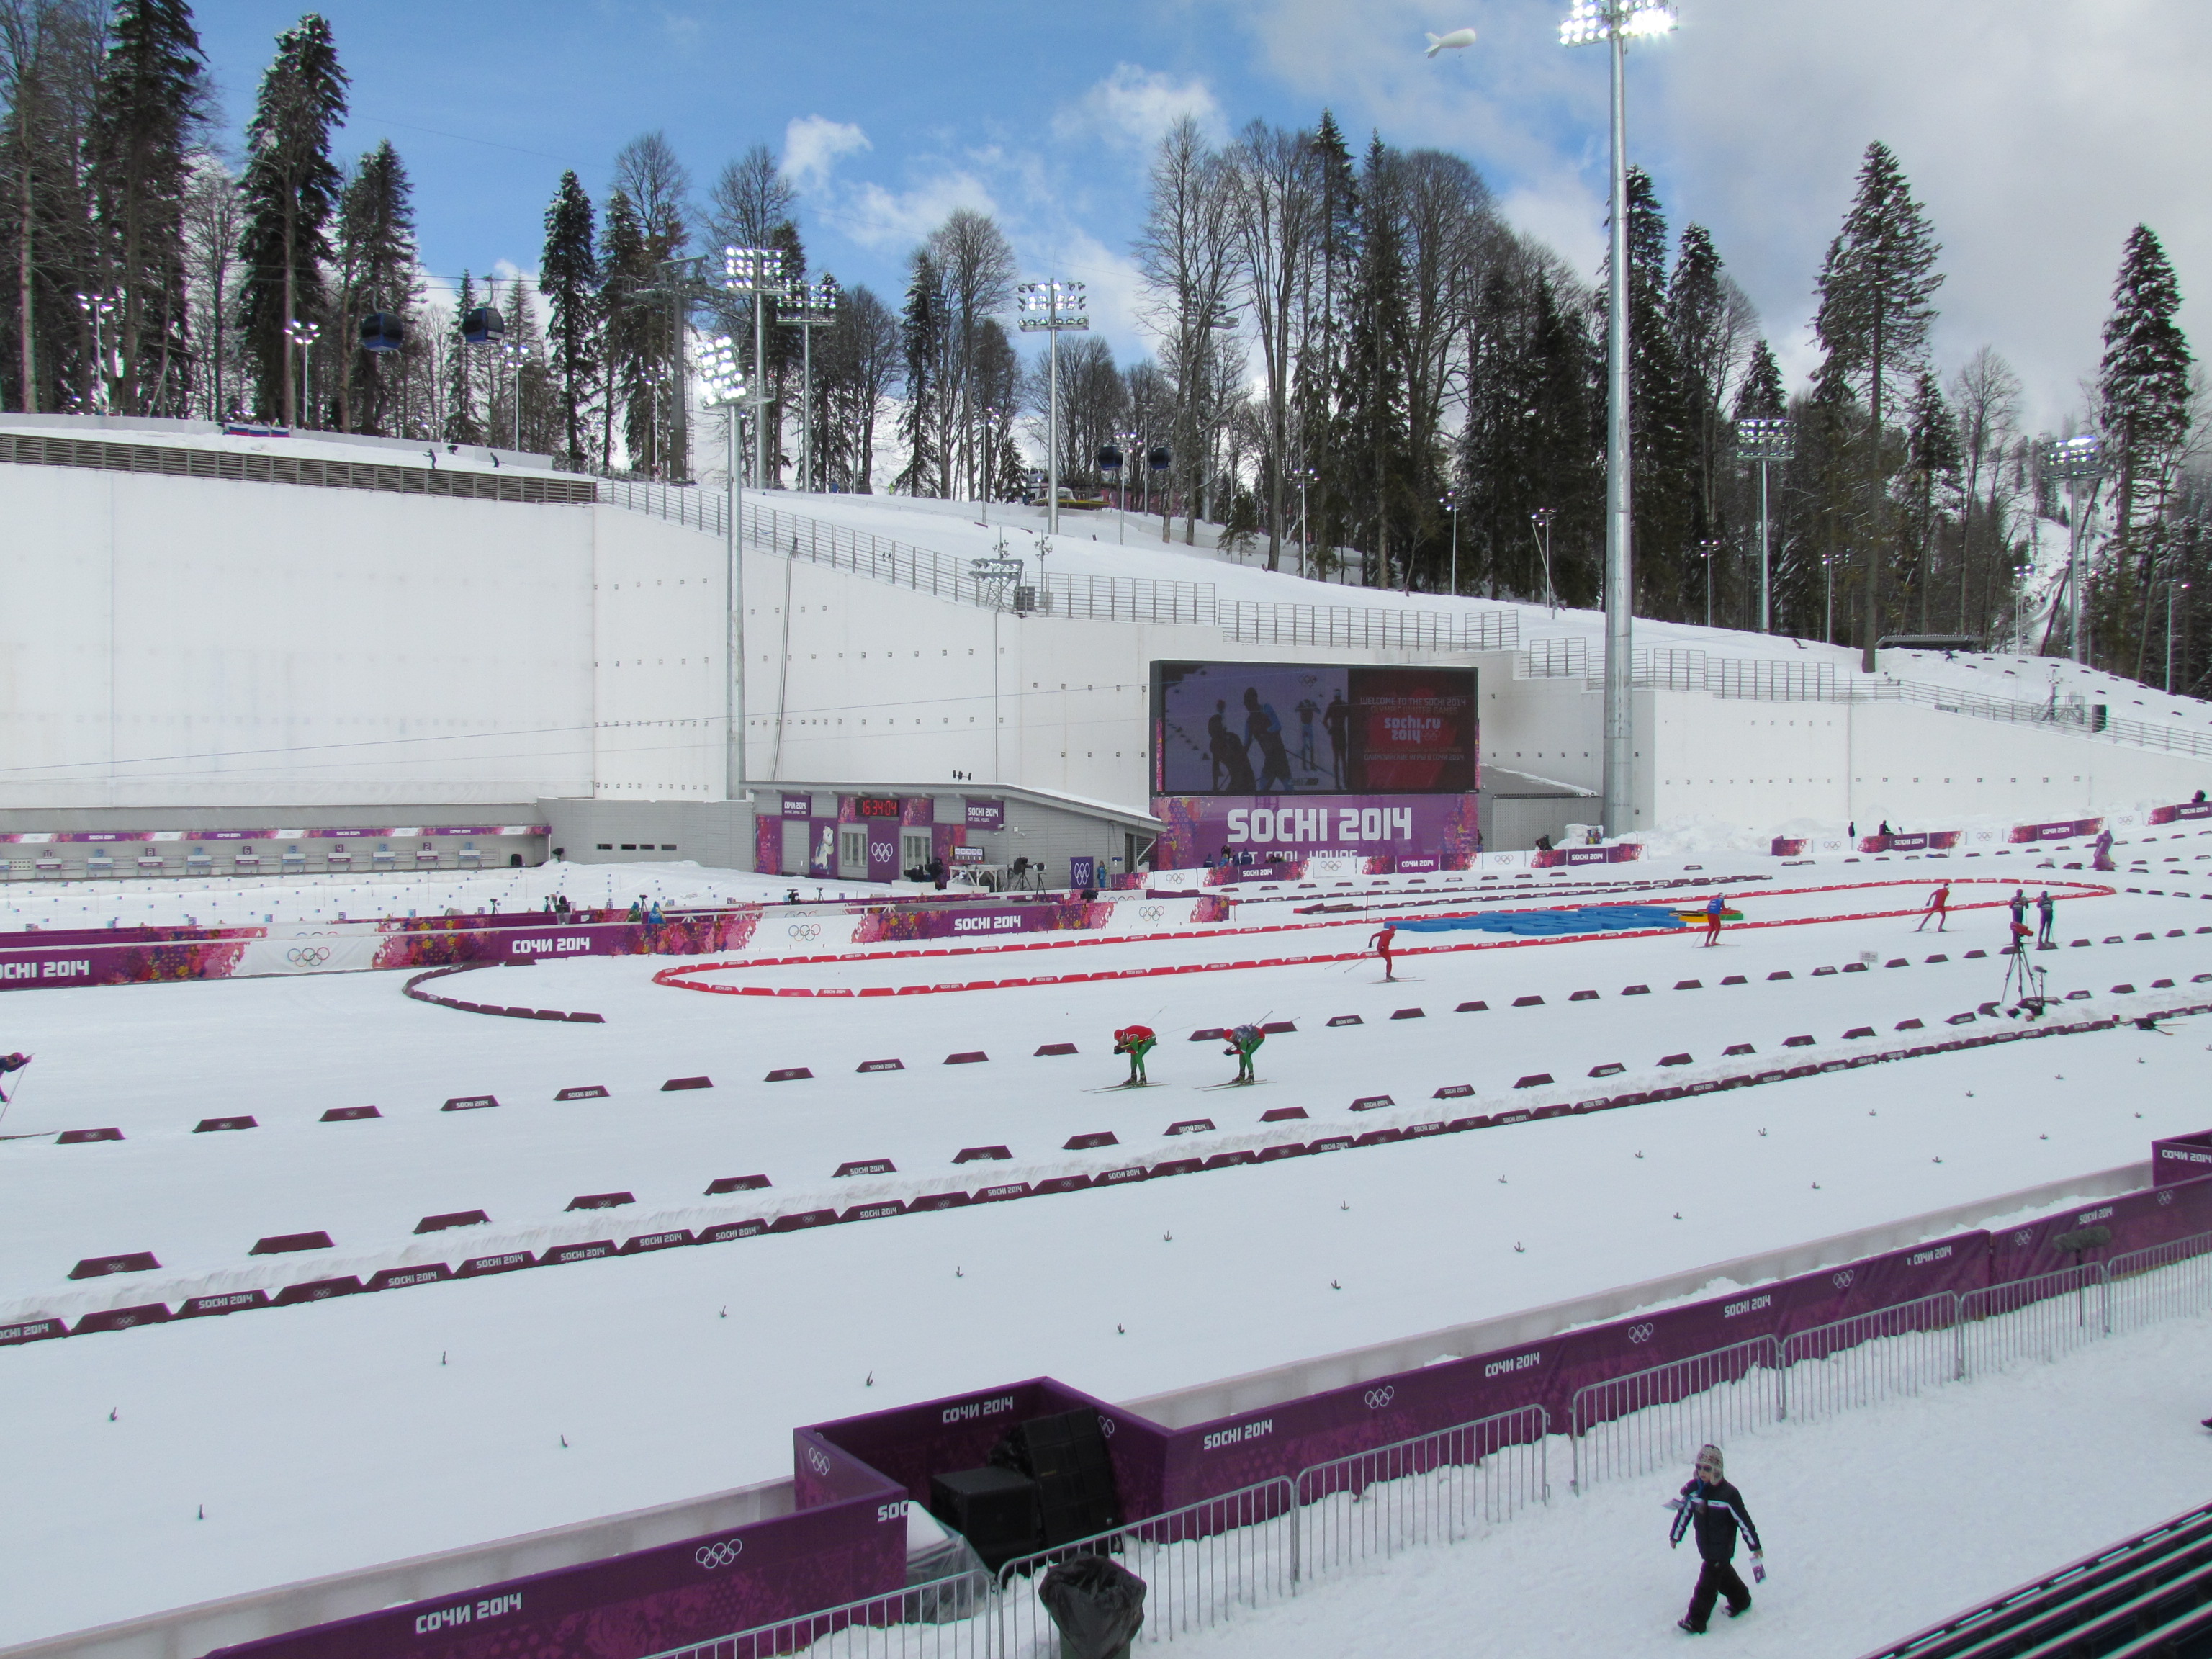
(1716, 1508)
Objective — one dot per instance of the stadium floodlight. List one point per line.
(1764, 439)
(2077, 460)
(810, 308)
(759, 274)
(1052, 307)
(1539, 525)
(722, 385)
(98, 308)
(1449, 502)
(304, 336)
(1613, 23)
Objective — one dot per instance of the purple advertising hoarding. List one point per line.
(982, 814)
(2134, 1220)
(2194, 809)
(798, 806)
(2068, 829)
(2180, 1157)
(1288, 829)
(674, 1595)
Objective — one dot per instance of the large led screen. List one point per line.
(1268, 728)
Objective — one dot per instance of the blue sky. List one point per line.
(2036, 132)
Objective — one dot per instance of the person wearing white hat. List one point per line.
(1715, 1507)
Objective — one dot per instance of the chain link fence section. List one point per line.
(1629, 1426)
(1434, 1489)
(949, 1618)
(1199, 1564)
(1871, 1357)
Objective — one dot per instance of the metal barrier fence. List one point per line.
(1198, 1563)
(1628, 1426)
(1434, 1489)
(949, 1618)
(1871, 1357)
(1248, 1548)
(1370, 627)
(2167, 1281)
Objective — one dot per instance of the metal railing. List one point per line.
(1871, 1357)
(312, 471)
(1247, 1548)
(1371, 628)
(1434, 1489)
(1198, 1563)
(1628, 1426)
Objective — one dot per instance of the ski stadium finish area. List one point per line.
(319, 1210)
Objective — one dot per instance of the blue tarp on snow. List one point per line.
(1545, 924)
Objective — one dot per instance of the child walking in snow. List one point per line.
(1716, 1508)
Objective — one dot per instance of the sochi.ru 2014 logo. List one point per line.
(1640, 1332)
(722, 1555)
(309, 955)
(1378, 1398)
(807, 931)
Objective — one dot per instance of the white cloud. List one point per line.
(812, 145)
(896, 220)
(1133, 107)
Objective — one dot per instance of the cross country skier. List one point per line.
(1244, 1043)
(2046, 916)
(1937, 909)
(11, 1063)
(1136, 1042)
(1715, 908)
(2019, 904)
(1715, 1507)
(1381, 946)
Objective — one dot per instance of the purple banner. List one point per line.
(2136, 1220)
(978, 920)
(1288, 829)
(798, 806)
(2193, 809)
(982, 814)
(1083, 872)
(2070, 830)
(1625, 852)
(671, 1596)
(1931, 840)
(2180, 1157)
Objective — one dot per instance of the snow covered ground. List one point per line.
(320, 1437)
(1877, 1523)
(1087, 545)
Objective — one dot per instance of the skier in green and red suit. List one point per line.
(1136, 1042)
(1244, 1043)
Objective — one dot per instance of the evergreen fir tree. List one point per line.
(376, 263)
(1378, 470)
(1662, 485)
(568, 276)
(626, 335)
(2143, 390)
(1697, 319)
(922, 330)
(1875, 287)
(151, 105)
(50, 59)
(290, 187)
(1760, 395)
(1317, 378)
(1932, 448)
(461, 425)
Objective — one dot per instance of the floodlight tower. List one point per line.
(1612, 24)
(758, 272)
(2077, 460)
(814, 307)
(1764, 439)
(1051, 307)
(722, 385)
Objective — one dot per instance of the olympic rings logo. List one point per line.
(1107, 1427)
(816, 1460)
(2023, 1239)
(1378, 1398)
(1153, 913)
(1641, 1333)
(722, 1555)
(309, 955)
(2166, 1197)
(808, 931)
(1842, 1281)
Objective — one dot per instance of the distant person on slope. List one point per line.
(1136, 1042)
(1715, 908)
(2046, 916)
(1264, 727)
(1307, 709)
(1381, 946)
(1244, 1043)
(1715, 1508)
(1229, 756)
(1937, 909)
(2019, 905)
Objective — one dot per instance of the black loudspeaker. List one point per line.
(1065, 1454)
(996, 1509)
